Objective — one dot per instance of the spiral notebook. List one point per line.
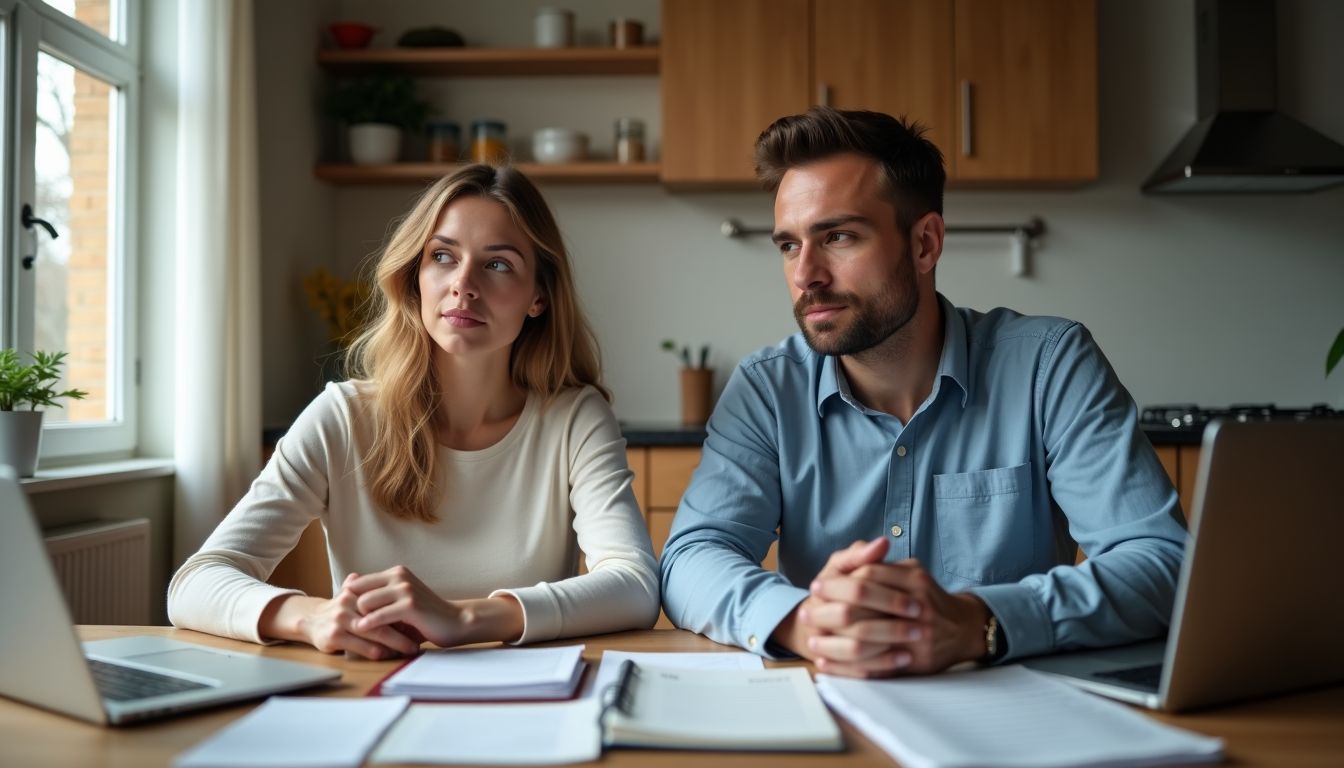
(766, 710)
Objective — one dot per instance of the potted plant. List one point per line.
(376, 109)
(23, 388)
(697, 382)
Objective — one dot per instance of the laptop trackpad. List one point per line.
(198, 663)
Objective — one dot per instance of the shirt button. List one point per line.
(900, 451)
(751, 641)
(896, 530)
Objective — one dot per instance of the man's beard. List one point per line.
(869, 322)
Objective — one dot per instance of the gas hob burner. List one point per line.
(1191, 417)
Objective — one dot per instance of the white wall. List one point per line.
(1208, 299)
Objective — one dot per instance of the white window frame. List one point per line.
(32, 26)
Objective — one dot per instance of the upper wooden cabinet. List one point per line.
(1007, 88)
(729, 68)
(889, 56)
(1027, 91)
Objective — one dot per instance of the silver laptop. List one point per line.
(1257, 604)
(107, 681)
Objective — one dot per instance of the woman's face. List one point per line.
(477, 279)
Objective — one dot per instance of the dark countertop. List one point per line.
(646, 434)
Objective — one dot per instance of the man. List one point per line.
(965, 452)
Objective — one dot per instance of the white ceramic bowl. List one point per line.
(559, 145)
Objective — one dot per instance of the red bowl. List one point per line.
(351, 34)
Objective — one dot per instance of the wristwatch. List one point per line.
(996, 643)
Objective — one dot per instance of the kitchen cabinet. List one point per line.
(490, 62)
(728, 69)
(1026, 76)
(1007, 89)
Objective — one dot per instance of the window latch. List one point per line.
(28, 220)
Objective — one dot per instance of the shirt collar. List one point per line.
(951, 363)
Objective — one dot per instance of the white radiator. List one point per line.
(103, 568)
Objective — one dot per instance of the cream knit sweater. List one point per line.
(513, 519)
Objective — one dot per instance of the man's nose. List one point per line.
(809, 269)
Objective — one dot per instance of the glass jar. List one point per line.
(445, 142)
(488, 142)
(629, 140)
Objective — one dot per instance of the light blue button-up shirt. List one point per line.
(1027, 444)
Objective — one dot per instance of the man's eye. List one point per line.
(787, 248)
(839, 237)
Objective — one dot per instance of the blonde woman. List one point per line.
(456, 475)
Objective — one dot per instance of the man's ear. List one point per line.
(926, 242)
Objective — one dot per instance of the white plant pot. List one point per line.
(20, 440)
(374, 143)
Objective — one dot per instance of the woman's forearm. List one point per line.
(491, 618)
(285, 618)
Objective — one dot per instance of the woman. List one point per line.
(449, 476)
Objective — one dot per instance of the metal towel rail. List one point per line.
(1022, 235)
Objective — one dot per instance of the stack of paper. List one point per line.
(495, 674)
(497, 734)
(1006, 717)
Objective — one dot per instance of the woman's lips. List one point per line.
(461, 318)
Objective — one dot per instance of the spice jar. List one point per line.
(445, 142)
(488, 142)
(629, 140)
(625, 33)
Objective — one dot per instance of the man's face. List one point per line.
(847, 261)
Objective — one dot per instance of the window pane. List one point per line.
(75, 192)
(100, 15)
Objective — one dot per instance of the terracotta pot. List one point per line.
(697, 386)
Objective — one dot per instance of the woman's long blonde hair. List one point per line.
(394, 355)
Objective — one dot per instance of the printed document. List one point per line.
(493, 734)
(1008, 716)
(299, 732)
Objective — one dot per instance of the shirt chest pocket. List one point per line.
(985, 524)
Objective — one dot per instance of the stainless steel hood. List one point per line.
(1242, 143)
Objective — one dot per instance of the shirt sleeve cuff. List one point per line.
(770, 606)
(541, 613)
(249, 610)
(1026, 623)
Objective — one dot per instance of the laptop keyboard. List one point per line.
(1149, 677)
(120, 683)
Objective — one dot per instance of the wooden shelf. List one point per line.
(493, 61)
(596, 171)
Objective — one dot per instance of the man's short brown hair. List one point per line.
(911, 166)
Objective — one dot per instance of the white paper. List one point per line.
(299, 732)
(611, 664)
(493, 734)
(472, 673)
(1010, 717)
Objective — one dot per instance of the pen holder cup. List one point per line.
(696, 395)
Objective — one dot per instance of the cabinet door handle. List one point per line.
(823, 94)
(966, 118)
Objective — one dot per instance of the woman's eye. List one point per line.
(498, 265)
(441, 257)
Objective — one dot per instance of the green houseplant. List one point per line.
(24, 389)
(376, 109)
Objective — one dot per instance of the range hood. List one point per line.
(1242, 143)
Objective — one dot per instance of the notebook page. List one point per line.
(299, 732)
(1010, 717)
(714, 705)
(498, 734)
(611, 664)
